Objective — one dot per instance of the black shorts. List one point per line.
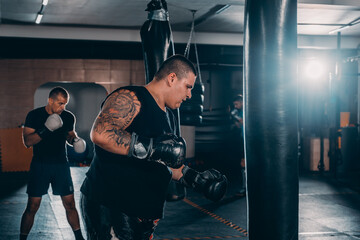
(103, 223)
(42, 174)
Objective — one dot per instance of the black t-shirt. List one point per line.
(135, 187)
(52, 148)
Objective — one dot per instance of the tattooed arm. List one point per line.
(118, 112)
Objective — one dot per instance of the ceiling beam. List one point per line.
(31, 31)
(331, 2)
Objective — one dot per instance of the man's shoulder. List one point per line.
(127, 94)
(135, 89)
(68, 114)
(130, 91)
(35, 116)
(37, 110)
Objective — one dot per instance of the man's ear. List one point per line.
(171, 79)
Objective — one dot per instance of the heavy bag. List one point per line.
(188, 108)
(191, 120)
(270, 111)
(155, 37)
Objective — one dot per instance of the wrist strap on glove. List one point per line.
(43, 132)
(140, 147)
(189, 176)
(52, 123)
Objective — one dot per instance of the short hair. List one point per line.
(238, 97)
(177, 64)
(58, 90)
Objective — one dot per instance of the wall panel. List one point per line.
(19, 79)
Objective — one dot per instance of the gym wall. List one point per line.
(19, 79)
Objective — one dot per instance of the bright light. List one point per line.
(38, 18)
(45, 2)
(339, 29)
(314, 69)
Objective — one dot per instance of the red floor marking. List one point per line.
(226, 222)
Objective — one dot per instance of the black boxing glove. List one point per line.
(211, 182)
(167, 148)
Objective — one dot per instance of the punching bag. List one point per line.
(270, 91)
(156, 38)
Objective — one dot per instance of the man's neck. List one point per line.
(48, 109)
(153, 87)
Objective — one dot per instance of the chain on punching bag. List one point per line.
(191, 110)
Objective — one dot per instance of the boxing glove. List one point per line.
(52, 123)
(235, 115)
(79, 145)
(167, 148)
(211, 182)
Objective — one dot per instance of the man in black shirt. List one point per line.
(46, 130)
(137, 152)
(237, 128)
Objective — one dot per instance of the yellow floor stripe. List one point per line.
(226, 222)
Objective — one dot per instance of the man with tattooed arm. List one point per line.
(137, 153)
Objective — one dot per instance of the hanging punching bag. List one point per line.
(270, 46)
(156, 38)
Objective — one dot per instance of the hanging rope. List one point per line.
(187, 49)
(172, 40)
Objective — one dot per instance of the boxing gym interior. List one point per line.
(296, 64)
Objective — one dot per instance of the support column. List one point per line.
(270, 104)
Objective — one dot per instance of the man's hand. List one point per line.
(79, 145)
(53, 122)
(211, 182)
(167, 148)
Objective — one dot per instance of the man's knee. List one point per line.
(69, 202)
(32, 206)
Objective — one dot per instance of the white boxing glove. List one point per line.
(79, 145)
(52, 123)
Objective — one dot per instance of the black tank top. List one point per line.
(135, 187)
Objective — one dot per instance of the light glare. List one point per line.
(314, 69)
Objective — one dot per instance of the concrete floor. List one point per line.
(329, 210)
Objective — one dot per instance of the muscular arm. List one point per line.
(30, 137)
(118, 112)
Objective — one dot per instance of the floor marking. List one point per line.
(351, 234)
(226, 222)
(201, 238)
(334, 193)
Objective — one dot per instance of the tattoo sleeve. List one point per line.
(117, 114)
